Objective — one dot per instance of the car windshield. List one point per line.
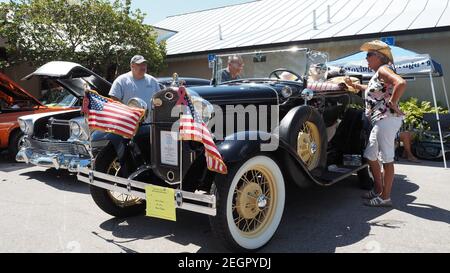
(276, 64)
(55, 94)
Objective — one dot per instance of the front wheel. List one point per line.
(113, 203)
(250, 204)
(16, 142)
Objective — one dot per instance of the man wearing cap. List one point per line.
(136, 83)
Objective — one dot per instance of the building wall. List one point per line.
(435, 44)
(17, 72)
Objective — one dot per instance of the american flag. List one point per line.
(111, 116)
(193, 128)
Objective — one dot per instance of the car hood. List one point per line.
(187, 81)
(34, 117)
(237, 94)
(11, 91)
(67, 70)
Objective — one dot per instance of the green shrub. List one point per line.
(414, 111)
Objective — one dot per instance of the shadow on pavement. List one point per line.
(8, 164)
(314, 220)
(59, 179)
(405, 203)
(190, 228)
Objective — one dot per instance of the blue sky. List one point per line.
(157, 10)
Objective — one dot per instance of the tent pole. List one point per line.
(445, 92)
(439, 122)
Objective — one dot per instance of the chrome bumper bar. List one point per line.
(137, 189)
(52, 160)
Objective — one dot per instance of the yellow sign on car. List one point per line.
(160, 202)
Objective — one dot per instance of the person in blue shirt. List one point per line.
(136, 83)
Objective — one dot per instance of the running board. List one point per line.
(330, 177)
(137, 189)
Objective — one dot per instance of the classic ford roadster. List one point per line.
(269, 130)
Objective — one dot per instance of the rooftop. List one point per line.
(268, 22)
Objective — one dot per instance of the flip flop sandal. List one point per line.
(378, 202)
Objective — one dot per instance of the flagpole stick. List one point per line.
(89, 148)
(85, 113)
(181, 159)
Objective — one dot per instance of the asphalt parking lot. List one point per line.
(49, 211)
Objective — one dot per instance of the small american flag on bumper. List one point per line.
(193, 128)
(110, 116)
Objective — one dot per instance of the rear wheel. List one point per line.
(114, 203)
(250, 204)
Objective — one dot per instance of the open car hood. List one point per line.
(11, 92)
(60, 71)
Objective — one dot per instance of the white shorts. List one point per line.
(382, 140)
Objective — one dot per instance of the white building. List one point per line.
(338, 27)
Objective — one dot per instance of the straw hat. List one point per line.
(380, 47)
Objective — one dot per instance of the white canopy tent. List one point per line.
(407, 63)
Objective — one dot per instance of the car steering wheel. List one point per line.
(277, 73)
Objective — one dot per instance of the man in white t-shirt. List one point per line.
(136, 83)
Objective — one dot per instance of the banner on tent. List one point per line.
(418, 65)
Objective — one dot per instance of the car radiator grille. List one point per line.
(60, 147)
(59, 129)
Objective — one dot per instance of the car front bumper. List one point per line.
(53, 160)
(195, 202)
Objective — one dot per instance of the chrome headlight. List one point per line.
(23, 125)
(26, 126)
(77, 131)
(138, 103)
(204, 108)
(286, 92)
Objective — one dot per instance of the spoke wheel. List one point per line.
(309, 145)
(120, 199)
(254, 200)
(114, 203)
(250, 203)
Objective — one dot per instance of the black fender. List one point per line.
(241, 146)
(99, 140)
(292, 122)
(128, 154)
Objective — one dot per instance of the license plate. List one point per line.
(160, 202)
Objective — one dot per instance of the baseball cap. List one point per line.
(138, 59)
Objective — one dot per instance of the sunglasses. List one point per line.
(370, 54)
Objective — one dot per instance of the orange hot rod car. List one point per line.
(15, 102)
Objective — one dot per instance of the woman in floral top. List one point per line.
(381, 97)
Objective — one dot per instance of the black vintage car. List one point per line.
(269, 131)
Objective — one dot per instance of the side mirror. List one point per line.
(307, 95)
(138, 103)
